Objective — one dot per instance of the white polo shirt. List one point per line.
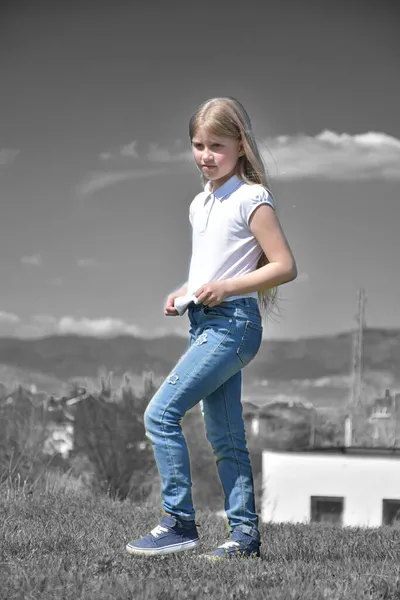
(222, 244)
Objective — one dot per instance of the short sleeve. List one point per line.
(193, 208)
(253, 199)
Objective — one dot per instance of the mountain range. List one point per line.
(320, 363)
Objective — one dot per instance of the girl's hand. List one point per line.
(212, 293)
(169, 309)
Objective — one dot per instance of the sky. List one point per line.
(96, 176)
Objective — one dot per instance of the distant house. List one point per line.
(349, 486)
(383, 419)
(250, 417)
(280, 421)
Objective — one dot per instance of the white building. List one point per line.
(347, 486)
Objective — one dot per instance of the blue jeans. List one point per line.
(223, 340)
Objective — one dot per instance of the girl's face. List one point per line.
(216, 156)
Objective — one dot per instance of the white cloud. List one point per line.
(101, 179)
(334, 156)
(163, 331)
(41, 325)
(96, 327)
(7, 156)
(106, 326)
(328, 155)
(130, 150)
(37, 326)
(34, 260)
(8, 318)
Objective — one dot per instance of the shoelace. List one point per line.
(229, 545)
(158, 531)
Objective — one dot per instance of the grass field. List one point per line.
(67, 544)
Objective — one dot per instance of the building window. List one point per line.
(327, 509)
(391, 512)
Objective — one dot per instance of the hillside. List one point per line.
(64, 542)
(280, 366)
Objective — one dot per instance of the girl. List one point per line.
(239, 256)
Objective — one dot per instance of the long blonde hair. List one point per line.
(226, 117)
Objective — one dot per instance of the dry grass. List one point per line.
(67, 543)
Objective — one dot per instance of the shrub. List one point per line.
(23, 432)
(109, 431)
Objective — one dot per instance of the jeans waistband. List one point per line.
(239, 307)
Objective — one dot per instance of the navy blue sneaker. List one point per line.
(239, 545)
(171, 535)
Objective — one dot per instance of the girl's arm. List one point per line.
(281, 268)
(182, 290)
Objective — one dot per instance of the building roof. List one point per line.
(250, 409)
(371, 451)
(260, 410)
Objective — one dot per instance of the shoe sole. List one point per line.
(228, 557)
(166, 550)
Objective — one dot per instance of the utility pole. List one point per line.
(358, 339)
(355, 400)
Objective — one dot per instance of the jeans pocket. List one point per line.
(250, 342)
(218, 311)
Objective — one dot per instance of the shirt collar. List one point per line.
(227, 188)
